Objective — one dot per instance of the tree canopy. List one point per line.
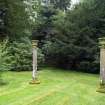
(72, 37)
(68, 35)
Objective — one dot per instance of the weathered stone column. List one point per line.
(34, 44)
(102, 64)
(34, 72)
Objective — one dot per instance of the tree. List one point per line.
(61, 4)
(76, 37)
(15, 20)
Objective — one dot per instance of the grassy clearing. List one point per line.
(57, 88)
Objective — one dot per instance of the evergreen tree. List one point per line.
(61, 4)
(15, 18)
(82, 26)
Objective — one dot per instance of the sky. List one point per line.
(75, 1)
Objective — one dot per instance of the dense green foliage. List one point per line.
(5, 59)
(82, 26)
(71, 37)
(16, 20)
(4, 56)
(21, 52)
(68, 36)
(17, 56)
(14, 25)
(61, 4)
(58, 87)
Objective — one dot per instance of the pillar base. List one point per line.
(36, 81)
(101, 88)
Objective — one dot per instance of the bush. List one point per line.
(5, 58)
(21, 55)
(21, 52)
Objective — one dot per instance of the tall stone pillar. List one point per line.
(102, 64)
(34, 72)
(34, 44)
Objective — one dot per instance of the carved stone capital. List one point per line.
(102, 42)
(34, 43)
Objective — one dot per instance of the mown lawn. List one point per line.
(57, 87)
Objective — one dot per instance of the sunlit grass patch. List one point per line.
(57, 87)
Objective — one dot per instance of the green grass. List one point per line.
(57, 87)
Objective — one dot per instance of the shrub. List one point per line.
(5, 58)
(21, 52)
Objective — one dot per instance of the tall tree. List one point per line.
(16, 19)
(76, 37)
(61, 4)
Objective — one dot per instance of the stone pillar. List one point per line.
(34, 44)
(34, 72)
(102, 64)
(102, 60)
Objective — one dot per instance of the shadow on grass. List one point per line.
(2, 82)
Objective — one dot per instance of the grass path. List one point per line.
(57, 87)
